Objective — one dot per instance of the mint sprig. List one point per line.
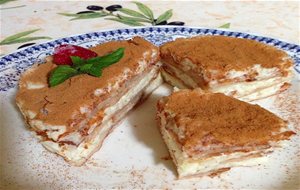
(92, 66)
(60, 74)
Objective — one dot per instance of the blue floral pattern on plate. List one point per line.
(12, 65)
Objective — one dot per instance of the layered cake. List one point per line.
(73, 118)
(208, 133)
(242, 68)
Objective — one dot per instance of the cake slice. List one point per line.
(208, 133)
(73, 118)
(242, 68)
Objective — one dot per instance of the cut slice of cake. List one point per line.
(73, 118)
(207, 133)
(242, 68)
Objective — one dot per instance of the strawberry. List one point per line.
(63, 52)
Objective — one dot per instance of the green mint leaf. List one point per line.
(107, 60)
(227, 25)
(60, 74)
(132, 13)
(145, 10)
(127, 22)
(164, 17)
(95, 72)
(89, 69)
(85, 68)
(99, 63)
(92, 66)
(77, 61)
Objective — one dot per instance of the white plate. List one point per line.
(134, 155)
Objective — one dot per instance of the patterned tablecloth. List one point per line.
(38, 21)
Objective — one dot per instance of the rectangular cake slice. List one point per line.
(73, 118)
(242, 68)
(207, 133)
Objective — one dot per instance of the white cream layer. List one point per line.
(248, 91)
(187, 166)
(252, 90)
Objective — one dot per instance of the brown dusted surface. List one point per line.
(224, 53)
(208, 119)
(63, 100)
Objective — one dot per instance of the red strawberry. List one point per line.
(63, 52)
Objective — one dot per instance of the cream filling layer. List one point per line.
(263, 73)
(243, 90)
(247, 88)
(187, 166)
(263, 93)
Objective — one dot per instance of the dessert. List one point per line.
(208, 133)
(73, 116)
(242, 68)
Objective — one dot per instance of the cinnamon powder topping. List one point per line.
(215, 119)
(224, 53)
